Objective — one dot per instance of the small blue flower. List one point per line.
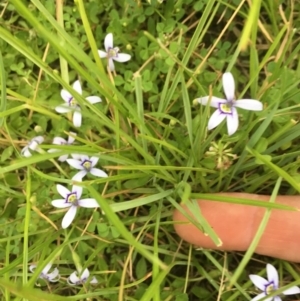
(112, 53)
(71, 200)
(52, 277)
(71, 104)
(75, 280)
(86, 165)
(62, 141)
(226, 108)
(33, 144)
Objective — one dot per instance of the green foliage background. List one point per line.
(150, 136)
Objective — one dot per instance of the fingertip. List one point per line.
(236, 226)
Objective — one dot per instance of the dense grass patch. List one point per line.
(150, 136)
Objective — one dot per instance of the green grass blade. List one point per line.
(114, 219)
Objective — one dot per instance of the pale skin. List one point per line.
(237, 224)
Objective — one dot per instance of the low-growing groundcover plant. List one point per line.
(141, 144)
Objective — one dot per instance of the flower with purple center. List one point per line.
(33, 144)
(271, 285)
(226, 108)
(52, 277)
(71, 105)
(86, 165)
(62, 141)
(112, 53)
(71, 200)
(75, 280)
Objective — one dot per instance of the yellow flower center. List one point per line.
(113, 52)
(73, 103)
(226, 108)
(87, 165)
(270, 289)
(72, 198)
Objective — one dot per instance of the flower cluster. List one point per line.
(85, 165)
(74, 279)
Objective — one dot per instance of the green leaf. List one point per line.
(8, 151)
(141, 268)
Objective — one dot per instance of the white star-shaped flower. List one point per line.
(86, 165)
(270, 285)
(226, 108)
(75, 280)
(52, 277)
(112, 53)
(33, 144)
(62, 141)
(71, 105)
(72, 200)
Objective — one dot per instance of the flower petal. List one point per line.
(88, 203)
(276, 298)
(25, 152)
(63, 158)
(39, 139)
(215, 119)
(122, 57)
(75, 163)
(65, 95)
(77, 190)
(47, 268)
(84, 158)
(212, 101)
(102, 54)
(73, 278)
(69, 217)
(77, 119)
(111, 64)
(259, 281)
(228, 85)
(94, 280)
(64, 108)
(259, 297)
(54, 276)
(59, 141)
(32, 267)
(93, 99)
(60, 204)
(292, 290)
(33, 145)
(76, 156)
(79, 176)
(77, 87)
(85, 274)
(62, 190)
(108, 42)
(232, 121)
(94, 160)
(71, 138)
(249, 104)
(98, 173)
(272, 275)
